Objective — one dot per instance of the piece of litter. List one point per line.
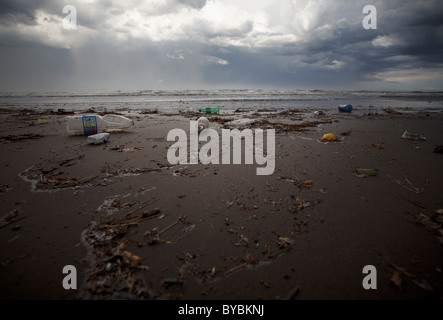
(284, 242)
(329, 137)
(396, 279)
(412, 136)
(438, 149)
(131, 257)
(98, 138)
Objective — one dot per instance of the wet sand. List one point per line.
(136, 227)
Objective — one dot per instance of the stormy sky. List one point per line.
(204, 44)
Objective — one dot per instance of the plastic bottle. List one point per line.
(210, 110)
(345, 108)
(98, 138)
(93, 124)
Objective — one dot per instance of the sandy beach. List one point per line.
(137, 227)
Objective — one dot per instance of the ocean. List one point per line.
(227, 100)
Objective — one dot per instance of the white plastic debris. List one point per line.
(98, 138)
(203, 123)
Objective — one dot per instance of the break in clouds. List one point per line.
(180, 44)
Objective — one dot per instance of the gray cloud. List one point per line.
(194, 3)
(139, 44)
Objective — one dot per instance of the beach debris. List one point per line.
(278, 126)
(181, 172)
(307, 184)
(238, 110)
(202, 123)
(91, 124)
(9, 218)
(412, 136)
(345, 108)
(329, 137)
(188, 256)
(433, 223)
(145, 214)
(128, 172)
(409, 185)
(180, 219)
(292, 127)
(322, 190)
(271, 188)
(113, 204)
(132, 258)
(299, 204)
(98, 138)
(319, 113)
(4, 187)
(114, 268)
(266, 284)
(346, 133)
(396, 279)
(61, 111)
(42, 121)
(42, 180)
(152, 236)
(189, 228)
(248, 260)
(49, 179)
(209, 110)
(363, 173)
(285, 242)
(20, 137)
(242, 242)
(438, 149)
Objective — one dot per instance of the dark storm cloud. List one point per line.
(18, 11)
(179, 43)
(24, 11)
